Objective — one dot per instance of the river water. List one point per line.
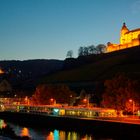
(50, 134)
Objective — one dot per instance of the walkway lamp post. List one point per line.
(86, 101)
(52, 101)
(27, 101)
(133, 105)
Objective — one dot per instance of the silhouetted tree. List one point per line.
(101, 48)
(86, 51)
(69, 54)
(81, 51)
(92, 49)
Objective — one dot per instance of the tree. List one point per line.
(69, 54)
(92, 49)
(101, 48)
(81, 51)
(118, 92)
(60, 93)
(86, 51)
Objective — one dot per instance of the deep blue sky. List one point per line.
(35, 29)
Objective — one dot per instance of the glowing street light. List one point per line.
(133, 105)
(86, 101)
(52, 101)
(27, 101)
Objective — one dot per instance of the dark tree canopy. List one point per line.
(60, 93)
(81, 51)
(69, 54)
(101, 48)
(88, 50)
(119, 91)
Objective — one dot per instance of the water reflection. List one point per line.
(2, 124)
(63, 135)
(49, 134)
(25, 132)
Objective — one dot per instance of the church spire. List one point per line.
(124, 24)
(124, 28)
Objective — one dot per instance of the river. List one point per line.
(50, 134)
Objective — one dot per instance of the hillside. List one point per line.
(25, 74)
(95, 68)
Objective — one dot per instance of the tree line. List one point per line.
(119, 92)
(88, 50)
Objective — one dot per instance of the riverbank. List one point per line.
(100, 127)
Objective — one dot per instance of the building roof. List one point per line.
(138, 29)
(124, 27)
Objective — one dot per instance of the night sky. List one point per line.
(47, 29)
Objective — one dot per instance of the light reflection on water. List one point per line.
(2, 124)
(62, 135)
(38, 134)
(46, 134)
(25, 132)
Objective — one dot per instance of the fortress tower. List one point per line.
(124, 30)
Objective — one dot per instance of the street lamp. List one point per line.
(52, 101)
(133, 105)
(86, 101)
(27, 101)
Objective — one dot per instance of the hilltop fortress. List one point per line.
(128, 38)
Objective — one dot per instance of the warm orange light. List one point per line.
(51, 99)
(130, 100)
(50, 136)
(2, 124)
(133, 105)
(128, 38)
(1, 71)
(25, 132)
(85, 100)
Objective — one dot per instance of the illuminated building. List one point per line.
(128, 39)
